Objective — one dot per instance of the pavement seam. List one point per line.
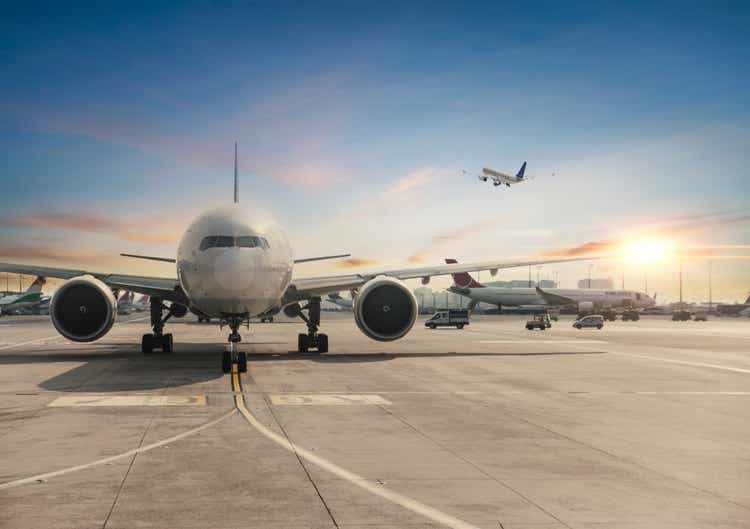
(473, 465)
(127, 473)
(301, 462)
(626, 461)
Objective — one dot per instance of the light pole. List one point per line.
(681, 283)
(590, 267)
(710, 292)
(645, 282)
(529, 276)
(538, 272)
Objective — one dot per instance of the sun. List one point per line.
(647, 250)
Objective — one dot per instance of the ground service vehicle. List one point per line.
(631, 315)
(681, 315)
(540, 321)
(700, 316)
(594, 320)
(449, 318)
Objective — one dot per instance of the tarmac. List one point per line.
(640, 425)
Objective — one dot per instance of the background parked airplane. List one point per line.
(586, 299)
(27, 300)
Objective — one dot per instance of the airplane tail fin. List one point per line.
(747, 301)
(463, 279)
(521, 171)
(36, 286)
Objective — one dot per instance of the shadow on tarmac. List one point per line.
(380, 357)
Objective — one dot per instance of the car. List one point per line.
(540, 321)
(448, 318)
(593, 320)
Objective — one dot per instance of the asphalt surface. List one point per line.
(643, 424)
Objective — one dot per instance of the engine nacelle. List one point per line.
(83, 309)
(585, 306)
(385, 309)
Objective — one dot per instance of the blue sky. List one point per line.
(355, 120)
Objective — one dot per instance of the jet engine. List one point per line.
(585, 306)
(385, 309)
(83, 309)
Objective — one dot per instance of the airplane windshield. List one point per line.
(227, 241)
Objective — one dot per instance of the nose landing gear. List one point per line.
(313, 339)
(233, 355)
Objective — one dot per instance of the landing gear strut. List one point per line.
(312, 340)
(233, 355)
(158, 340)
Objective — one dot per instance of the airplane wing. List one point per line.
(554, 299)
(305, 288)
(165, 288)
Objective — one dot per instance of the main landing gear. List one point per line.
(312, 340)
(233, 355)
(158, 340)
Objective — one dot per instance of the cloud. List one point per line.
(69, 257)
(413, 180)
(582, 250)
(149, 231)
(357, 263)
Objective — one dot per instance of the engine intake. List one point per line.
(385, 309)
(83, 309)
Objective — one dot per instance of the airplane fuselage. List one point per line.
(232, 261)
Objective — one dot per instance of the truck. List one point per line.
(540, 321)
(448, 318)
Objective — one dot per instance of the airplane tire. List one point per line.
(460, 326)
(303, 343)
(226, 362)
(322, 343)
(242, 362)
(166, 343)
(147, 344)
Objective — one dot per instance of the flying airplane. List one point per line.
(234, 264)
(586, 299)
(29, 299)
(499, 178)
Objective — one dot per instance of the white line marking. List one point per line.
(31, 341)
(540, 341)
(340, 399)
(684, 362)
(128, 400)
(48, 475)
(371, 487)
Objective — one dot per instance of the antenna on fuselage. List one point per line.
(236, 188)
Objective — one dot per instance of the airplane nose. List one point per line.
(235, 269)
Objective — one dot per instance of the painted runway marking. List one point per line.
(55, 337)
(370, 486)
(684, 362)
(539, 341)
(49, 475)
(128, 400)
(340, 399)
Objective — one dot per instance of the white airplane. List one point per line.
(585, 299)
(29, 299)
(499, 178)
(234, 264)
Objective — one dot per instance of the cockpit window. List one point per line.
(226, 241)
(248, 241)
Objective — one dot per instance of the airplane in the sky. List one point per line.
(29, 299)
(585, 299)
(234, 264)
(499, 178)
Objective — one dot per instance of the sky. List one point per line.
(355, 120)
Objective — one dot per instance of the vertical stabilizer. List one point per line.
(463, 279)
(521, 171)
(236, 188)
